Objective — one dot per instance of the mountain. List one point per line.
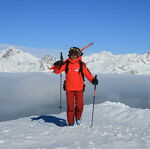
(15, 60)
(115, 126)
(38, 52)
(105, 62)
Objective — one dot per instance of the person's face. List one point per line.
(73, 56)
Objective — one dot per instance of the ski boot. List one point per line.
(78, 121)
(70, 124)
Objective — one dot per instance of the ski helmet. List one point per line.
(75, 50)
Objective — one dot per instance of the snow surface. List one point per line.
(115, 126)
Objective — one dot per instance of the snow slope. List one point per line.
(15, 60)
(115, 126)
(105, 62)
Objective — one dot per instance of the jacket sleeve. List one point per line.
(59, 69)
(87, 73)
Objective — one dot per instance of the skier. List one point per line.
(75, 71)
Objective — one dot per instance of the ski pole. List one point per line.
(60, 106)
(93, 103)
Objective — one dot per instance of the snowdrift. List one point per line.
(115, 126)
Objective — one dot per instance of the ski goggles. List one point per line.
(74, 50)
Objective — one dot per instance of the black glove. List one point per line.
(95, 81)
(58, 63)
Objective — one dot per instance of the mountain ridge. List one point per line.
(104, 62)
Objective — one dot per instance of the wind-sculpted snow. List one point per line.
(26, 94)
(116, 126)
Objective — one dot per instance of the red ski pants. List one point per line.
(74, 105)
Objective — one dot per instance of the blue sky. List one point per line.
(118, 26)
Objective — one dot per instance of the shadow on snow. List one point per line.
(51, 119)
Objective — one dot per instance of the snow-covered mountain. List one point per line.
(105, 62)
(15, 60)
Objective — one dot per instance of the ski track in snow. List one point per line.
(115, 126)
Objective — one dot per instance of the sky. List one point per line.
(118, 26)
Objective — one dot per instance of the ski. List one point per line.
(87, 46)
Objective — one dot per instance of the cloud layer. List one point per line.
(26, 94)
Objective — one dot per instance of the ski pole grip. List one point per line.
(95, 76)
(61, 56)
(61, 59)
(95, 84)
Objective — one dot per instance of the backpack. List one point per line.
(80, 71)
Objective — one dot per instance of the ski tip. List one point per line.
(87, 46)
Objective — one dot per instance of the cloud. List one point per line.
(132, 90)
(26, 94)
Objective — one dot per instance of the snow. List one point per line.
(115, 125)
(15, 60)
(105, 62)
(29, 101)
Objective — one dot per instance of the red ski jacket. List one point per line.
(74, 79)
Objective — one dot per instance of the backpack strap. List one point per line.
(67, 63)
(81, 70)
